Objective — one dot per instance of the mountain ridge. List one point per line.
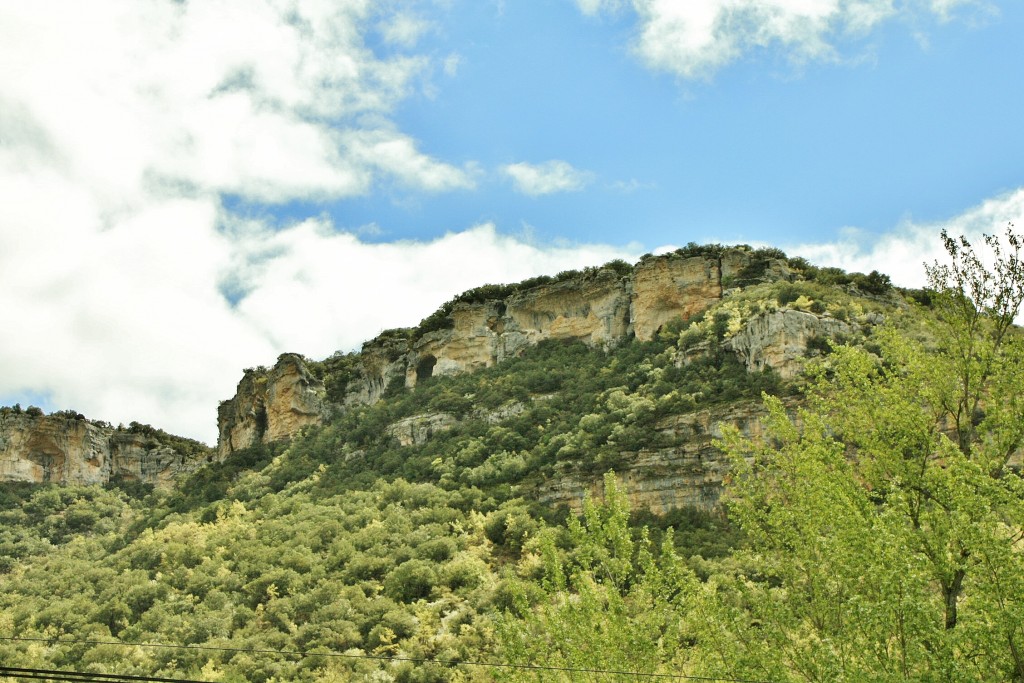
(601, 306)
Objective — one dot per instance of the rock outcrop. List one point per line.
(687, 475)
(67, 449)
(667, 288)
(779, 340)
(416, 429)
(270, 405)
(594, 309)
(601, 307)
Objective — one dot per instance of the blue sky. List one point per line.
(191, 188)
(917, 119)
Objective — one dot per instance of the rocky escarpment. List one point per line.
(68, 449)
(689, 474)
(601, 307)
(780, 339)
(270, 405)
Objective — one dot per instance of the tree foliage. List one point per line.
(613, 603)
(885, 519)
(881, 522)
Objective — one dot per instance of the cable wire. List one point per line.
(415, 660)
(86, 677)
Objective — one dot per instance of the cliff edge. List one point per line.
(66, 448)
(599, 306)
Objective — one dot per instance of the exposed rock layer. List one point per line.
(601, 308)
(270, 405)
(779, 339)
(68, 450)
(689, 474)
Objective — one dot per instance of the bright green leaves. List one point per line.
(611, 603)
(885, 527)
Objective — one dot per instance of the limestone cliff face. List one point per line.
(592, 308)
(416, 429)
(69, 450)
(270, 405)
(779, 339)
(670, 287)
(689, 474)
(600, 308)
(381, 361)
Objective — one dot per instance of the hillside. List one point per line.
(460, 492)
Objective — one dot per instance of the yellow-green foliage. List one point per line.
(345, 542)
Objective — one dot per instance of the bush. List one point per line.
(411, 581)
(787, 294)
(872, 283)
(437, 550)
(713, 251)
(465, 571)
(819, 345)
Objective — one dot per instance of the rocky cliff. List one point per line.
(68, 449)
(780, 339)
(601, 307)
(688, 474)
(270, 405)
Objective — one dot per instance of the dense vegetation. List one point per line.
(873, 534)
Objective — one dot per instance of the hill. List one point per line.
(378, 516)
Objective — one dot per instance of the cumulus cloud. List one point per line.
(278, 107)
(547, 177)
(695, 39)
(903, 252)
(127, 290)
(405, 30)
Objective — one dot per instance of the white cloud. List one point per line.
(131, 94)
(595, 7)
(396, 155)
(902, 253)
(405, 30)
(695, 39)
(122, 126)
(547, 177)
(451, 64)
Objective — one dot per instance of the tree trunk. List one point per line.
(951, 594)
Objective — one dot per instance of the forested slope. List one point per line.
(869, 528)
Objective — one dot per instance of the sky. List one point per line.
(190, 188)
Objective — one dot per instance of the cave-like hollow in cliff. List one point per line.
(425, 368)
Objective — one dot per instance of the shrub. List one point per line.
(410, 581)
(872, 283)
(787, 293)
(437, 550)
(819, 345)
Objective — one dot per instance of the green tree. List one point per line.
(612, 603)
(885, 521)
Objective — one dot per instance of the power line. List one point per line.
(84, 677)
(414, 660)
